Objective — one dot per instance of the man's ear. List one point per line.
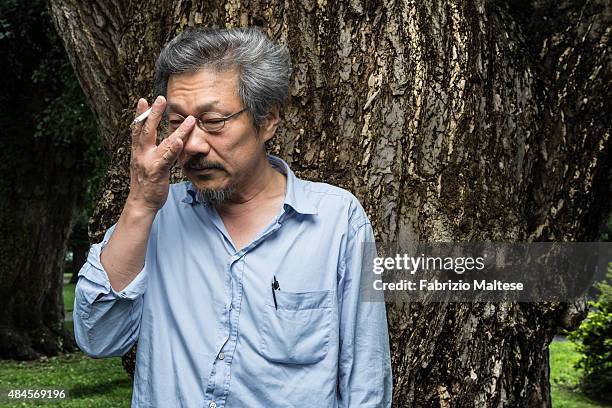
(270, 123)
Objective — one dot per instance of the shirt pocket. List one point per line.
(298, 331)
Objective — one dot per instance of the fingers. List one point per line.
(145, 132)
(184, 130)
(172, 152)
(171, 147)
(148, 133)
(141, 106)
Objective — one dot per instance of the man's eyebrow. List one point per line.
(204, 107)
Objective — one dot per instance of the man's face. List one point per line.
(225, 159)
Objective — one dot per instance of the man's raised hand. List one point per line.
(151, 163)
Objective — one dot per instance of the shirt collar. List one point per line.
(295, 195)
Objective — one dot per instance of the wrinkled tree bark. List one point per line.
(456, 121)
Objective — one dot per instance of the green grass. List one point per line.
(88, 382)
(564, 377)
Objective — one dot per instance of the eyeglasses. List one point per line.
(207, 121)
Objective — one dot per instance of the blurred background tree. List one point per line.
(49, 160)
(593, 338)
(594, 341)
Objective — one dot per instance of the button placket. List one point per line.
(233, 335)
(231, 324)
(217, 377)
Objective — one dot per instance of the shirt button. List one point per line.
(221, 355)
(213, 405)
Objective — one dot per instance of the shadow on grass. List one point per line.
(100, 388)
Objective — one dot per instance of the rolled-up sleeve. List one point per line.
(364, 378)
(106, 322)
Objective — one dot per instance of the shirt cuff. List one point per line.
(94, 272)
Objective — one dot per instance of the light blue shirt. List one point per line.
(204, 315)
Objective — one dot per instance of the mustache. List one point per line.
(200, 163)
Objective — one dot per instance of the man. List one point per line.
(242, 286)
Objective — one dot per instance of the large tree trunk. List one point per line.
(455, 121)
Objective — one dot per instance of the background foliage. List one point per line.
(41, 98)
(594, 341)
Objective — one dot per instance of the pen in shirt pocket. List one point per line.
(275, 287)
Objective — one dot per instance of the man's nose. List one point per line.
(197, 142)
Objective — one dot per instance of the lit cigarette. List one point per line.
(142, 116)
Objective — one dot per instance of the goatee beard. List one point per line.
(216, 196)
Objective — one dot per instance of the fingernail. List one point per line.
(158, 100)
(189, 120)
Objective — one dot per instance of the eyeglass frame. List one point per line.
(201, 123)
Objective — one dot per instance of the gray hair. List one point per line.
(264, 66)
